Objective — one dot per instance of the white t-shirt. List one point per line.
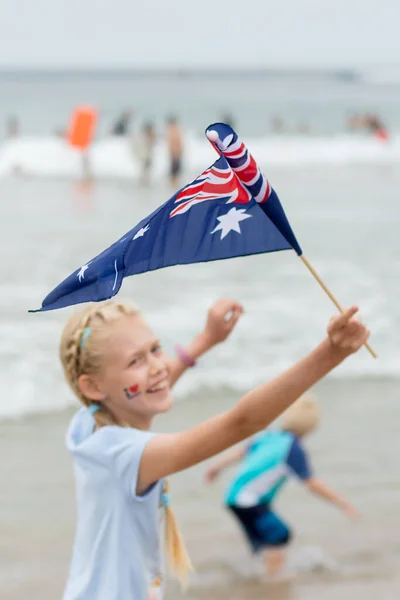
(118, 552)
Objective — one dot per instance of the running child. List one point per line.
(267, 461)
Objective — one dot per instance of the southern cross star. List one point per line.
(230, 221)
(81, 273)
(141, 232)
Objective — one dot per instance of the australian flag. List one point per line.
(229, 210)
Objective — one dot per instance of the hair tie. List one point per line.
(85, 336)
(93, 408)
(165, 500)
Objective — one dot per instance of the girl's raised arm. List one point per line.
(169, 453)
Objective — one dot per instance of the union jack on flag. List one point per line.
(229, 210)
(216, 183)
(225, 180)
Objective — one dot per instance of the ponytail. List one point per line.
(179, 559)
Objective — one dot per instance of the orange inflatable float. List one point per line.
(82, 127)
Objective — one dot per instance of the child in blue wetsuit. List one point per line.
(267, 461)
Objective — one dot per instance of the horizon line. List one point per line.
(191, 68)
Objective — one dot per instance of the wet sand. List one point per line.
(37, 507)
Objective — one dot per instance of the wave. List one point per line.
(269, 339)
(52, 157)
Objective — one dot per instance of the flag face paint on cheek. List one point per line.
(132, 392)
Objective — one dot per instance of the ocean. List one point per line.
(340, 192)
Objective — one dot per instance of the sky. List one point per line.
(192, 33)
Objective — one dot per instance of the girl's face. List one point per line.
(135, 375)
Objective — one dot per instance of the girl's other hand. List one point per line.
(221, 320)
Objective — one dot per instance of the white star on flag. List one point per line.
(81, 274)
(141, 232)
(230, 221)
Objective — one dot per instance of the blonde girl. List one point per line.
(117, 368)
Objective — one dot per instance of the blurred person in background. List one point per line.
(228, 119)
(12, 127)
(375, 126)
(144, 150)
(175, 150)
(121, 126)
(266, 462)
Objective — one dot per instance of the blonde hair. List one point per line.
(81, 345)
(302, 417)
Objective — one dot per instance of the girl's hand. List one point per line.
(221, 320)
(346, 332)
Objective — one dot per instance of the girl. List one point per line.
(117, 368)
(266, 463)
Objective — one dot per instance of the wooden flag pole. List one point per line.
(331, 296)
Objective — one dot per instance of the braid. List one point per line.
(70, 350)
(77, 360)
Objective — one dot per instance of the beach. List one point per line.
(340, 194)
(333, 557)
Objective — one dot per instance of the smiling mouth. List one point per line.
(163, 385)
